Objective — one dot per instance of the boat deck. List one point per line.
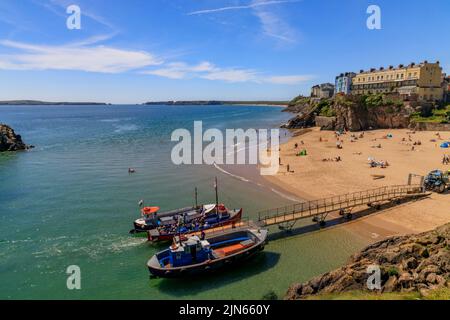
(234, 248)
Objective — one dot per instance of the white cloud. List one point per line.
(74, 57)
(289, 80)
(273, 25)
(180, 70)
(209, 71)
(249, 6)
(232, 75)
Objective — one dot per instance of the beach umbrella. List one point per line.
(445, 145)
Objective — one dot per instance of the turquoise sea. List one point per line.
(71, 201)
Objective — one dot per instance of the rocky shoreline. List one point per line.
(10, 141)
(414, 263)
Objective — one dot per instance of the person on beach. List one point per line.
(446, 159)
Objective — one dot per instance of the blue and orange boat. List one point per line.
(194, 255)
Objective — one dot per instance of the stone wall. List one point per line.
(430, 126)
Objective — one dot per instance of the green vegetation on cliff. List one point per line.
(438, 115)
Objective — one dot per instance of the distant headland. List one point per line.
(46, 103)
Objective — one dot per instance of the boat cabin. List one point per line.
(188, 252)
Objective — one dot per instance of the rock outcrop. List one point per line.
(353, 113)
(358, 117)
(10, 141)
(409, 263)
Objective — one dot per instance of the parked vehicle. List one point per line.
(437, 181)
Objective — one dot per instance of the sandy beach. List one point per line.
(317, 174)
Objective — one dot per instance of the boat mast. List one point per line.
(217, 196)
(196, 195)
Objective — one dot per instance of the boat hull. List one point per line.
(206, 267)
(154, 235)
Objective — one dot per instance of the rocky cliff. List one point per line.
(358, 114)
(10, 141)
(353, 113)
(409, 263)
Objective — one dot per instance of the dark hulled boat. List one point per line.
(194, 256)
(217, 216)
(152, 218)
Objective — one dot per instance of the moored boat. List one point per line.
(194, 255)
(217, 216)
(152, 218)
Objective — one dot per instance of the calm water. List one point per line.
(71, 201)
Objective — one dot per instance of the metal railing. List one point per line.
(336, 203)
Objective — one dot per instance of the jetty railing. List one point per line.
(337, 203)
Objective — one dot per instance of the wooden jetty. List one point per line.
(319, 209)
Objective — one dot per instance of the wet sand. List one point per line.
(311, 177)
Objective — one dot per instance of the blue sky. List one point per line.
(139, 50)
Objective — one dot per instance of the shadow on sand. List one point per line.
(262, 262)
(337, 220)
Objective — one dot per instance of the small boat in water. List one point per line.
(192, 255)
